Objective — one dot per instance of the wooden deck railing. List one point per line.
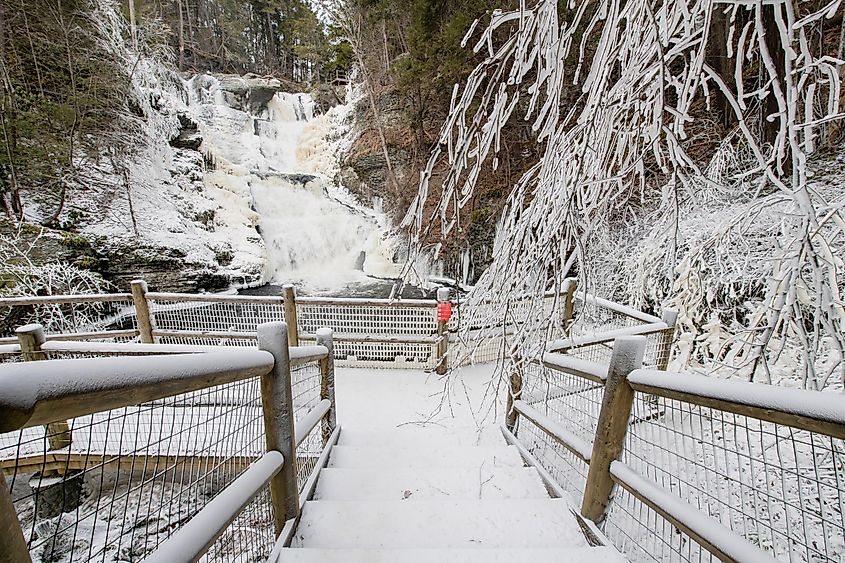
(391, 333)
(745, 472)
(105, 401)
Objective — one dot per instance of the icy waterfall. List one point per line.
(316, 233)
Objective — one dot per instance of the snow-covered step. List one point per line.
(446, 456)
(469, 555)
(439, 524)
(428, 435)
(415, 484)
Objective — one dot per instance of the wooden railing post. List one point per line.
(325, 337)
(569, 287)
(12, 542)
(514, 394)
(290, 315)
(31, 338)
(442, 346)
(612, 425)
(146, 323)
(277, 404)
(59, 491)
(667, 338)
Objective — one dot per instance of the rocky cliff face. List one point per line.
(171, 217)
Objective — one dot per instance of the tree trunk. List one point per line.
(770, 129)
(717, 59)
(133, 25)
(181, 36)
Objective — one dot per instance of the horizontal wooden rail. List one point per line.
(357, 302)
(64, 460)
(64, 299)
(376, 338)
(306, 424)
(210, 334)
(216, 298)
(606, 337)
(128, 348)
(300, 355)
(38, 394)
(590, 299)
(582, 448)
(193, 539)
(592, 371)
(813, 411)
(101, 335)
(719, 540)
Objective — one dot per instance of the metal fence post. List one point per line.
(569, 287)
(666, 339)
(612, 425)
(290, 315)
(325, 338)
(277, 404)
(12, 542)
(442, 346)
(146, 322)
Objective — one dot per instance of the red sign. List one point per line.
(444, 311)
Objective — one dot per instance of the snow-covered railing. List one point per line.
(121, 452)
(385, 333)
(676, 466)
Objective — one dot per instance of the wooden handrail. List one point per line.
(575, 444)
(606, 337)
(35, 395)
(813, 411)
(64, 299)
(616, 307)
(306, 424)
(591, 371)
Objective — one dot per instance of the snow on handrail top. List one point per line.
(769, 400)
(63, 299)
(307, 354)
(617, 307)
(575, 366)
(129, 347)
(38, 393)
(606, 336)
(305, 425)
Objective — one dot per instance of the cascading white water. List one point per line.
(316, 234)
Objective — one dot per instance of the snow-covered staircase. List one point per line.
(403, 496)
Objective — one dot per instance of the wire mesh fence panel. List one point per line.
(573, 403)
(779, 487)
(384, 355)
(656, 352)
(113, 485)
(367, 319)
(214, 316)
(305, 387)
(567, 470)
(590, 317)
(249, 538)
